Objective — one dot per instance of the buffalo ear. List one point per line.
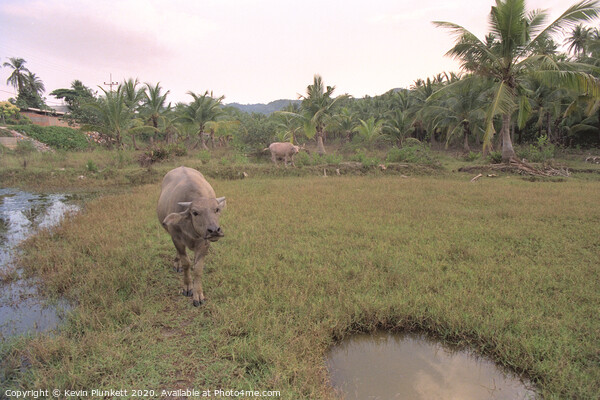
(222, 202)
(187, 205)
(172, 220)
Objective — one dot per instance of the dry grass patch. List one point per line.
(505, 266)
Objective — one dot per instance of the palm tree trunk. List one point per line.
(467, 131)
(135, 146)
(320, 146)
(203, 141)
(155, 125)
(507, 148)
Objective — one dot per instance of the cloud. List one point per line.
(124, 35)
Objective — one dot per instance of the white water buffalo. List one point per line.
(283, 151)
(189, 210)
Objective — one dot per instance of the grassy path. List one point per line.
(509, 267)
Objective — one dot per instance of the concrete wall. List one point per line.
(44, 120)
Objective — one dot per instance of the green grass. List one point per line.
(507, 267)
(105, 169)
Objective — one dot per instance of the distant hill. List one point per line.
(267, 109)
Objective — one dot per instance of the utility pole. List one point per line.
(111, 83)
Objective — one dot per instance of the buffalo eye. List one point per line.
(195, 213)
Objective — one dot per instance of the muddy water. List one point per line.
(21, 215)
(386, 366)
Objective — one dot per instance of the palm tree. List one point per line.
(35, 84)
(168, 122)
(345, 122)
(398, 124)
(116, 118)
(578, 40)
(461, 110)
(370, 130)
(510, 55)
(547, 105)
(203, 109)
(317, 107)
(287, 125)
(18, 77)
(153, 104)
(421, 91)
(132, 96)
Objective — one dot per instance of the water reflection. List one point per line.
(21, 215)
(386, 366)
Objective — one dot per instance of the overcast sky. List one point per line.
(249, 51)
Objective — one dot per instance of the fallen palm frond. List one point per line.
(521, 167)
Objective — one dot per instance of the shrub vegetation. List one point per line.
(57, 137)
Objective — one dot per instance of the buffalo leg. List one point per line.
(197, 271)
(177, 263)
(198, 294)
(184, 262)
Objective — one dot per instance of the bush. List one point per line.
(177, 150)
(472, 156)
(303, 158)
(334, 159)
(412, 151)
(365, 160)
(9, 114)
(153, 155)
(495, 157)
(542, 151)
(204, 156)
(58, 137)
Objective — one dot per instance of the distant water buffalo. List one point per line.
(189, 210)
(283, 151)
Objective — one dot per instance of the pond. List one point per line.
(409, 366)
(21, 215)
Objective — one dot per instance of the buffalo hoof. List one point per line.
(188, 293)
(198, 303)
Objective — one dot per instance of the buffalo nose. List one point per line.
(215, 231)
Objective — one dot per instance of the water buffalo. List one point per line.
(189, 210)
(283, 151)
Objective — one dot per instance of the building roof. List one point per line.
(52, 111)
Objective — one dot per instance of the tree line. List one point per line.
(515, 85)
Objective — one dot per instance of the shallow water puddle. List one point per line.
(21, 215)
(387, 366)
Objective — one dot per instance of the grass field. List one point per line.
(508, 267)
